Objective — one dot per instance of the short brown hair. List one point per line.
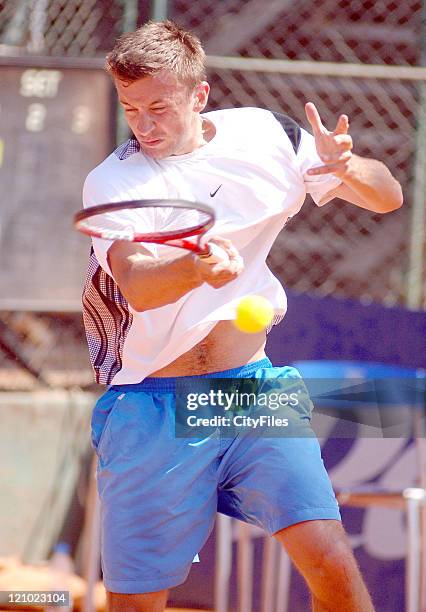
(154, 47)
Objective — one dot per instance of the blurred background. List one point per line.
(353, 56)
(355, 278)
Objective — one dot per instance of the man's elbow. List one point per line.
(139, 306)
(139, 302)
(146, 299)
(135, 299)
(391, 199)
(396, 200)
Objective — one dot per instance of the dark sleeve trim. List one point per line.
(291, 128)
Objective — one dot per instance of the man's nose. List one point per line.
(145, 124)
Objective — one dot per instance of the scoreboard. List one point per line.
(56, 124)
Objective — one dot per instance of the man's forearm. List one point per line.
(372, 181)
(148, 284)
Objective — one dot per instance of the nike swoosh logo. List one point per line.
(213, 193)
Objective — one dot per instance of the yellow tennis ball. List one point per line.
(254, 313)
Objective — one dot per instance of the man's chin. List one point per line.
(156, 150)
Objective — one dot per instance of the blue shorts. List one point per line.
(160, 493)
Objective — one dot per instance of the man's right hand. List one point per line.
(147, 282)
(219, 274)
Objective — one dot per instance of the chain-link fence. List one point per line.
(368, 31)
(338, 249)
(60, 27)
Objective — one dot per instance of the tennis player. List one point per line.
(153, 314)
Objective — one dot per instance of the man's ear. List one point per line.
(201, 95)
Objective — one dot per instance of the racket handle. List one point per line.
(214, 254)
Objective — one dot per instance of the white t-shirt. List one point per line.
(256, 163)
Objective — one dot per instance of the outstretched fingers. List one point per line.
(314, 118)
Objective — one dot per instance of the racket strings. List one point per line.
(147, 221)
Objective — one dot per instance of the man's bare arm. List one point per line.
(367, 183)
(147, 282)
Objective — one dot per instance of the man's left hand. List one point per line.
(334, 148)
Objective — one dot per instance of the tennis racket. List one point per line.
(176, 223)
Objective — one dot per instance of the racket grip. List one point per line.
(215, 254)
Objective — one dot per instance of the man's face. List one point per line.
(163, 113)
